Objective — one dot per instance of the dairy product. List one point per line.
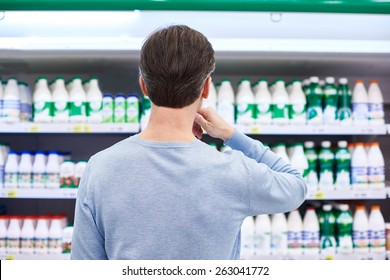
(42, 99)
(279, 230)
(294, 234)
(132, 109)
(343, 166)
(108, 108)
(78, 172)
(94, 102)
(262, 235)
(326, 161)
(11, 171)
(344, 230)
(314, 102)
(360, 233)
(312, 160)
(297, 111)
(27, 236)
(299, 161)
(359, 168)
(376, 114)
(146, 110)
(245, 103)
(330, 101)
(39, 177)
(52, 170)
(41, 236)
(67, 173)
(60, 102)
(344, 95)
(1, 100)
(211, 100)
(360, 104)
(280, 104)
(120, 108)
(77, 102)
(3, 233)
(311, 232)
(376, 167)
(263, 103)
(55, 236)
(67, 239)
(327, 231)
(25, 102)
(13, 236)
(225, 106)
(11, 102)
(280, 150)
(376, 225)
(247, 237)
(25, 170)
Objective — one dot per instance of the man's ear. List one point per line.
(143, 86)
(206, 88)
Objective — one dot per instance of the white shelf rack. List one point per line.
(34, 257)
(69, 128)
(312, 130)
(66, 193)
(369, 256)
(346, 194)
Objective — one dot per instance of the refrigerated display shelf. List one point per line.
(346, 194)
(370, 256)
(70, 128)
(313, 129)
(35, 257)
(39, 193)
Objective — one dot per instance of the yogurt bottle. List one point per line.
(330, 101)
(280, 104)
(359, 168)
(311, 232)
(67, 234)
(211, 100)
(377, 227)
(262, 235)
(3, 234)
(25, 102)
(13, 236)
(53, 171)
(42, 99)
(108, 108)
(360, 231)
(326, 161)
(294, 234)
(39, 177)
(67, 173)
(343, 166)
(314, 102)
(55, 236)
(279, 228)
(345, 106)
(312, 159)
(79, 170)
(42, 235)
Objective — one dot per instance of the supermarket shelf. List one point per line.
(312, 129)
(346, 194)
(379, 256)
(69, 128)
(35, 257)
(39, 193)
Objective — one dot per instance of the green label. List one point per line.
(343, 160)
(344, 114)
(93, 108)
(245, 112)
(279, 111)
(60, 108)
(326, 160)
(77, 108)
(263, 109)
(42, 108)
(296, 110)
(108, 110)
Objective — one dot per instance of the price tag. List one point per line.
(12, 194)
(88, 128)
(77, 128)
(35, 128)
(255, 129)
(10, 258)
(319, 195)
(329, 257)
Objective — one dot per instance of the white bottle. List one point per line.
(211, 100)
(42, 101)
(27, 236)
(11, 171)
(359, 168)
(225, 106)
(263, 102)
(25, 170)
(376, 114)
(52, 170)
(298, 160)
(245, 103)
(60, 102)
(360, 231)
(247, 238)
(312, 159)
(297, 112)
(360, 104)
(311, 232)
(120, 108)
(11, 102)
(377, 228)
(94, 102)
(77, 99)
(326, 160)
(280, 104)
(67, 234)
(344, 223)
(55, 236)
(78, 172)
(279, 234)
(376, 167)
(41, 236)
(294, 234)
(262, 235)
(343, 166)
(67, 172)
(13, 236)
(280, 150)
(330, 101)
(25, 102)
(39, 171)
(3, 233)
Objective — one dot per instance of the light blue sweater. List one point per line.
(178, 200)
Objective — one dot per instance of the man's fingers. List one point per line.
(200, 120)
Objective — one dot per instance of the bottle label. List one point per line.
(279, 111)
(245, 113)
(27, 243)
(53, 179)
(11, 179)
(25, 111)
(326, 161)
(3, 243)
(297, 111)
(312, 178)
(66, 247)
(263, 242)
(263, 109)
(360, 111)
(119, 111)
(343, 178)
(60, 108)
(24, 179)
(11, 109)
(311, 239)
(41, 243)
(67, 182)
(376, 174)
(294, 239)
(359, 175)
(226, 110)
(13, 243)
(330, 105)
(330, 115)
(360, 238)
(132, 112)
(39, 180)
(279, 240)
(55, 243)
(377, 238)
(376, 111)
(42, 109)
(344, 115)
(108, 110)
(77, 108)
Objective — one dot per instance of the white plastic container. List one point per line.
(226, 100)
(94, 102)
(263, 102)
(330, 102)
(326, 161)
(78, 100)
(298, 159)
(42, 99)
(376, 167)
(297, 112)
(294, 234)
(376, 114)
(132, 109)
(280, 150)
(3, 158)
(343, 166)
(377, 228)
(13, 236)
(360, 231)
(60, 102)
(78, 172)
(25, 171)
(279, 234)
(359, 168)
(211, 100)
(344, 225)
(3, 233)
(312, 159)
(360, 104)
(67, 173)
(25, 102)
(27, 236)
(120, 108)
(52, 171)
(39, 177)
(11, 171)
(262, 235)
(311, 232)
(314, 102)
(245, 103)
(11, 102)
(247, 237)
(55, 236)
(280, 104)
(42, 236)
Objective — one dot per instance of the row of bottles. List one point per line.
(323, 231)
(293, 103)
(46, 234)
(38, 169)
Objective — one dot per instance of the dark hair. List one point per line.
(175, 62)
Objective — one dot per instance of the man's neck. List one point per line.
(170, 125)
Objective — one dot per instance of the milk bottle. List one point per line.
(263, 103)
(311, 232)
(27, 236)
(13, 236)
(360, 233)
(280, 150)
(77, 99)
(327, 230)
(120, 108)
(376, 113)
(225, 106)
(60, 102)
(376, 225)
(294, 234)
(330, 101)
(132, 109)
(326, 160)
(360, 104)
(42, 99)
(376, 167)
(3, 158)
(262, 235)
(146, 110)
(247, 237)
(78, 172)
(280, 104)
(314, 102)
(344, 229)
(245, 103)
(3, 233)
(25, 102)
(67, 172)
(108, 108)
(279, 230)
(42, 236)
(297, 112)
(55, 236)
(94, 102)
(67, 234)
(11, 171)
(312, 159)
(344, 95)
(87, 85)
(359, 168)
(25, 171)
(343, 166)
(11, 102)
(39, 171)
(211, 100)
(299, 161)
(52, 171)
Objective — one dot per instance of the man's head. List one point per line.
(175, 64)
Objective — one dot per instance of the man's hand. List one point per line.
(213, 124)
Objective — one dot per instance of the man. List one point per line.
(163, 194)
